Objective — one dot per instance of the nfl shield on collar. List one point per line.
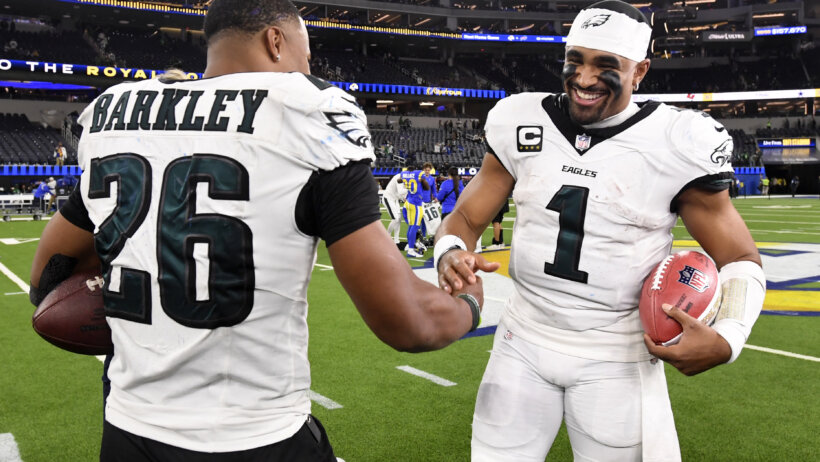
(582, 142)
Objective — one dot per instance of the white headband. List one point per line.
(610, 31)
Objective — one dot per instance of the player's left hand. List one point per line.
(700, 347)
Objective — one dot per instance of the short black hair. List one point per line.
(246, 16)
(620, 7)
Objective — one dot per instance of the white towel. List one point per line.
(660, 438)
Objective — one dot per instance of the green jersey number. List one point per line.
(230, 284)
(571, 204)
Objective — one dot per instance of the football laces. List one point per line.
(657, 279)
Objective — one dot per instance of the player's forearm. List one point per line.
(421, 318)
(402, 310)
(744, 290)
(441, 320)
(457, 224)
(63, 238)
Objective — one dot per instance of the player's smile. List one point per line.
(587, 97)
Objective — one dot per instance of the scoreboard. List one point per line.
(806, 142)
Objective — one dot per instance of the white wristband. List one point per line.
(744, 287)
(445, 244)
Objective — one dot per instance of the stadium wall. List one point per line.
(750, 124)
(417, 122)
(52, 113)
(44, 111)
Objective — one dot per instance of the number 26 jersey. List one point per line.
(196, 192)
(595, 210)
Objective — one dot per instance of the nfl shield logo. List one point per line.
(582, 142)
(693, 278)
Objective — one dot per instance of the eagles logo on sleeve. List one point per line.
(719, 155)
(349, 126)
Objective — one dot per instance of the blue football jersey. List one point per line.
(412, 181)
(427, 195)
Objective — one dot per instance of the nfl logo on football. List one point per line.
(694, 278)
(582, 142)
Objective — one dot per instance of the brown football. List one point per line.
(688, 280)
(72, 316)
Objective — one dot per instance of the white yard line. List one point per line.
(15, 293)
(44, 218)
(426, 375)
(20, 283)
(323, 401)
(782, 353)
(782, 231)
(785, 222)
(775, 231)
(14, 241)
(323, 267)
(8, 448)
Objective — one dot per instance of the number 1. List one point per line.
(571, 204)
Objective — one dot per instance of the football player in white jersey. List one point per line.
(392, 198)
(598, 183)
(203, 203)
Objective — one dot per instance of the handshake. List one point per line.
(457, 268)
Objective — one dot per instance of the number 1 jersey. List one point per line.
(594, 213)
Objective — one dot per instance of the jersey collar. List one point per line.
(583, 139)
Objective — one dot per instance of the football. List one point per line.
(72, 316)
(687, 280)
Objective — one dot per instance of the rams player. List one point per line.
(598, 182)
(413, 206)
(207, 261)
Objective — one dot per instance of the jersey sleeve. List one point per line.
(336, 203)
(327, 129)
(75, 212)
(706, 147)
(502, 131)
(703, 141)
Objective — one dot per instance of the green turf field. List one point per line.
(762, 408)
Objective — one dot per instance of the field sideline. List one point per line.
(381, 405)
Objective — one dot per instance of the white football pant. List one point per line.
(527, 390)
(394, 210)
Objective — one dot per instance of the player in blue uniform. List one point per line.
(427, 195)
(413, 206)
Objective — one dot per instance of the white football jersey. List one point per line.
(595, 210)
(192, 187)
(432, 217)
(395, 189)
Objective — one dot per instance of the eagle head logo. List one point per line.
(719, 155)
(595, 21)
